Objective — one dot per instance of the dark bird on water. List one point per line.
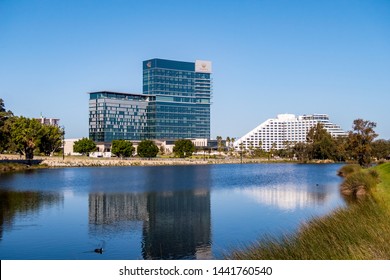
(99, 250)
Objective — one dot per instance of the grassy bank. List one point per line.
(9, 167)
(382, 192)
(360, 231)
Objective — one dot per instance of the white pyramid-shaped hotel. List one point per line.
(286, 128)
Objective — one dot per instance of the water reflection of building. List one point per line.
(111, 208)
(176, 225)
(172, 212)
(179, 226)
(285, 197)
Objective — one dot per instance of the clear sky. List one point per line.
(269, 56)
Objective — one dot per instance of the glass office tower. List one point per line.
(181, 92)
(115, 115)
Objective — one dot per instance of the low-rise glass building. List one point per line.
(114, 115)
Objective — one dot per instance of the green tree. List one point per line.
(183, 148)
(360, 140)
(122, 148)
(25, 135)
(272, 151)
(381, 148)
(259, 152)
(341, 144)
(147, 149)
(162, 150)
(4, 114)
(301, 151)
(288, 149)
(84, 146)
(251, 148)
(219, 143)
(321, 144)
(4, 128)
(242, 151)
(51, 139)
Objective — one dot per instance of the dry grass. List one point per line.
(348, 169)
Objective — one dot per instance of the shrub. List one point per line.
(6, 167)
(360, 182)
(348, 169)
(374, 174)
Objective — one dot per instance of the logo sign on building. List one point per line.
(203, 66)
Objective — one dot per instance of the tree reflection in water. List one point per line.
(14, 203)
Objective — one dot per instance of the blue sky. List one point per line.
(269, 56)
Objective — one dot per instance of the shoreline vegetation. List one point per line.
(12, 167)
(360, 231)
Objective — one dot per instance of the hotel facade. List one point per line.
(286, 128)
(175, 104)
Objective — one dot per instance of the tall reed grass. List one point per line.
(348, 169)
(360, 182)
(360, 231)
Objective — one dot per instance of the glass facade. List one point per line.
(181, 107)
(114, 115)
(175, 104)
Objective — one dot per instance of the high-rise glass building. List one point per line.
(181, 104)
(175, 104)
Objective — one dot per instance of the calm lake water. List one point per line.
(165, 212)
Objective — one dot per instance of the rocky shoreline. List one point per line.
(85, 162)
(55, 162)
(75, 161)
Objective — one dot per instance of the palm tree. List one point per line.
(228, 142)
(219, 143)
(272, 150)
(241, 150)
(232, 140)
